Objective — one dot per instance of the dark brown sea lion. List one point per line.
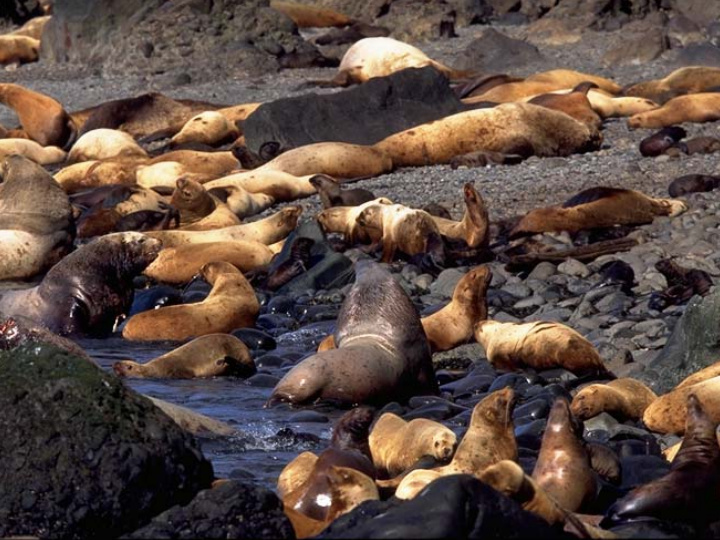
(213, 355)
(693, 183)
(481, 158)
(149, 220)
(332, 195)
(575, 104)
(89, 289)
(192, 201)
(382, 351)
(296, 264)
(683, 283)
(697, 145)
(690, 491)
(659, 142)
(309, 16)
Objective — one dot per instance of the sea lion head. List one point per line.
(210, 271)
(495, 409)
(188, 193)
(128, 368)
(444, 443)
(353, 429)
(586, 403)
(325, 182)
(560, 418)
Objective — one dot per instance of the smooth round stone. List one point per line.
(422, 401)
(432, 411)
(262, 380)
(530, 391)
(195, 289)
(241, 474)
(155, 297)
(635, 447)
(468, 385)
(527, 463)
(601, 421)
(530, 435)
(597, 435)
(311, 314)
(309, 416)
(518, 290)
(423, 282)
(522, 420)
(392, 407)
(269, 361)
(639, 470)
(280, 305)
(513, 380)
(557, 375)
(651, 528)
(446, 376)
(535, 409)
(531, 301)
(410, 272)
(445, 283)
(573, 267)
(194, 297)
(542, 271)
(499, 298)
(255, 339)
(462, 419)
(274, 322)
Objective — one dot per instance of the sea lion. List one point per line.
(659, 142)
(192, 201)
(669, 413)
(165, 174)
(30, 149)
(179, 264)
(696, 145)
(16, 49)
(332, 195)
(511, 128)
(209, 127)
(538, 344)
(267, 231)
(36, 220)
(212, 355)
(95, 173)
(474, 226)
(343, 219)
(686, 80)
(713, 370)
(231, 304)
(697, 108)
(297, 263)
(683, 284)
(149, 220)
(689, 492)
(240, 201)
(396, 445)
(489, 439)
(194, 422)
(624, 399)
(278, 185)
(382, 351)
(569, 78)
(33, 28)
(104, 144)
(609, 106)
(693, 183)
(43, 118)
(597, 208)
(214, 164)
(575, 104)
(86, 292)
(482, 158)
(305, 16)
(295, 473)
(563, 466)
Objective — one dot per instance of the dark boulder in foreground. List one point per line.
(20, 11)
(231, 510)
(81, 455)
(365, 114)
(457, 506)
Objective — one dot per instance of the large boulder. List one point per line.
(20, 11)
(81, 455)
(495, 52)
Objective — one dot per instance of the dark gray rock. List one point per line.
(82, 456)
(701, 54)
(495, 52)
(638, 49)
(20, 11)
(362, 115)
(233, 509)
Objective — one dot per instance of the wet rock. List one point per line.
(530, 435)
(308, 416)
(495, 52)
(446, 282)
(255, 339)
(105, 454)
(154, 297)
(639, 470)
(262, 380)
(469, 385)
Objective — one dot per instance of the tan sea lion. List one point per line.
(596, 208)
(213, 355)
(240, 201)
(267, 231)
(396, 445)
(713, 370)
(194, 161)
(702, 107)
(209, 127)
(165, 174)
(343, 219)
(16, 49)
(194, 422)
(569, 78)
(30, 149)
(621, 398)
(281, 186)
(231, 304)
(563, 466)
(33, 28)
(668, 413)
(238, 113)
(689, 492)
(474, 226)
(686, 80)
(105, 144)
(307, 16)
(43, 118)
(538, 344)
(618, 106)
(382, 351)
(94, 173)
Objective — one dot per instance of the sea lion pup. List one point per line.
(213, 355)
(305, 16)
(30, 149)
(540, 345)
(683, 284)
(179, 264)
(659, 142)
(267, 231)
(474, 226)
(43, 118)
(36, 220)
(343, 219)
(231, 304)
(563, 466)
(689, 492)
(596, 208)
(511, 128)
(209, 127)
(332, 195)
(575, 104)
(16, 49)
(89, 289)
(396, 445)
(149, 220)
(382, 352)
(668, 413)
(693, 183)
(489, 439)
(105, 144)
(697, 108)
(95, 173)
(622, 398)
(686, 80)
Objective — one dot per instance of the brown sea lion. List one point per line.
(149, 220)
(94, 173)
(609, 106)
(382, 351)
(308, 16)
(575, 104)
(686, 80)
(165, 174)
(296, 264)
(396, 445)
(713, 370)
(689, 492)
(86, 292)
(489, 439)
(657, 143)
(669, 412)
(482, 158)
(104, 144)
(267, 231)
(563, 466)
(597, 208)
(693, 183)
(538, 344)
(212, 355)
(192, 201)
(696, 145)
(332, 195)
(683, 284)
(474, 226)
(30, 149)
(16, 49)
(208, 127)
(43, 118)
(622, 398)
(295, 473)
(180, 264)
(36, 220)
(231, 304)
(697, 108)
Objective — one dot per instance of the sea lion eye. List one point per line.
(129, 367)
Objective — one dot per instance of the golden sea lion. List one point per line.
(396, 445)
(209, 127)
(622, 398)
(30, 149)
(238, 113)
(33, 28)
(702, 107)
(343, 219)
(195, 161)
(41, 117)
(16, 49)
(618, 106)
(212, 355)
(540, 345)
(474, 226)
(95, 173)
(668, 413)
(569, 78)
(105, 144)
(686, 80)
(279, 185)
(597, 208)
(231, 304)
(165, 174)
